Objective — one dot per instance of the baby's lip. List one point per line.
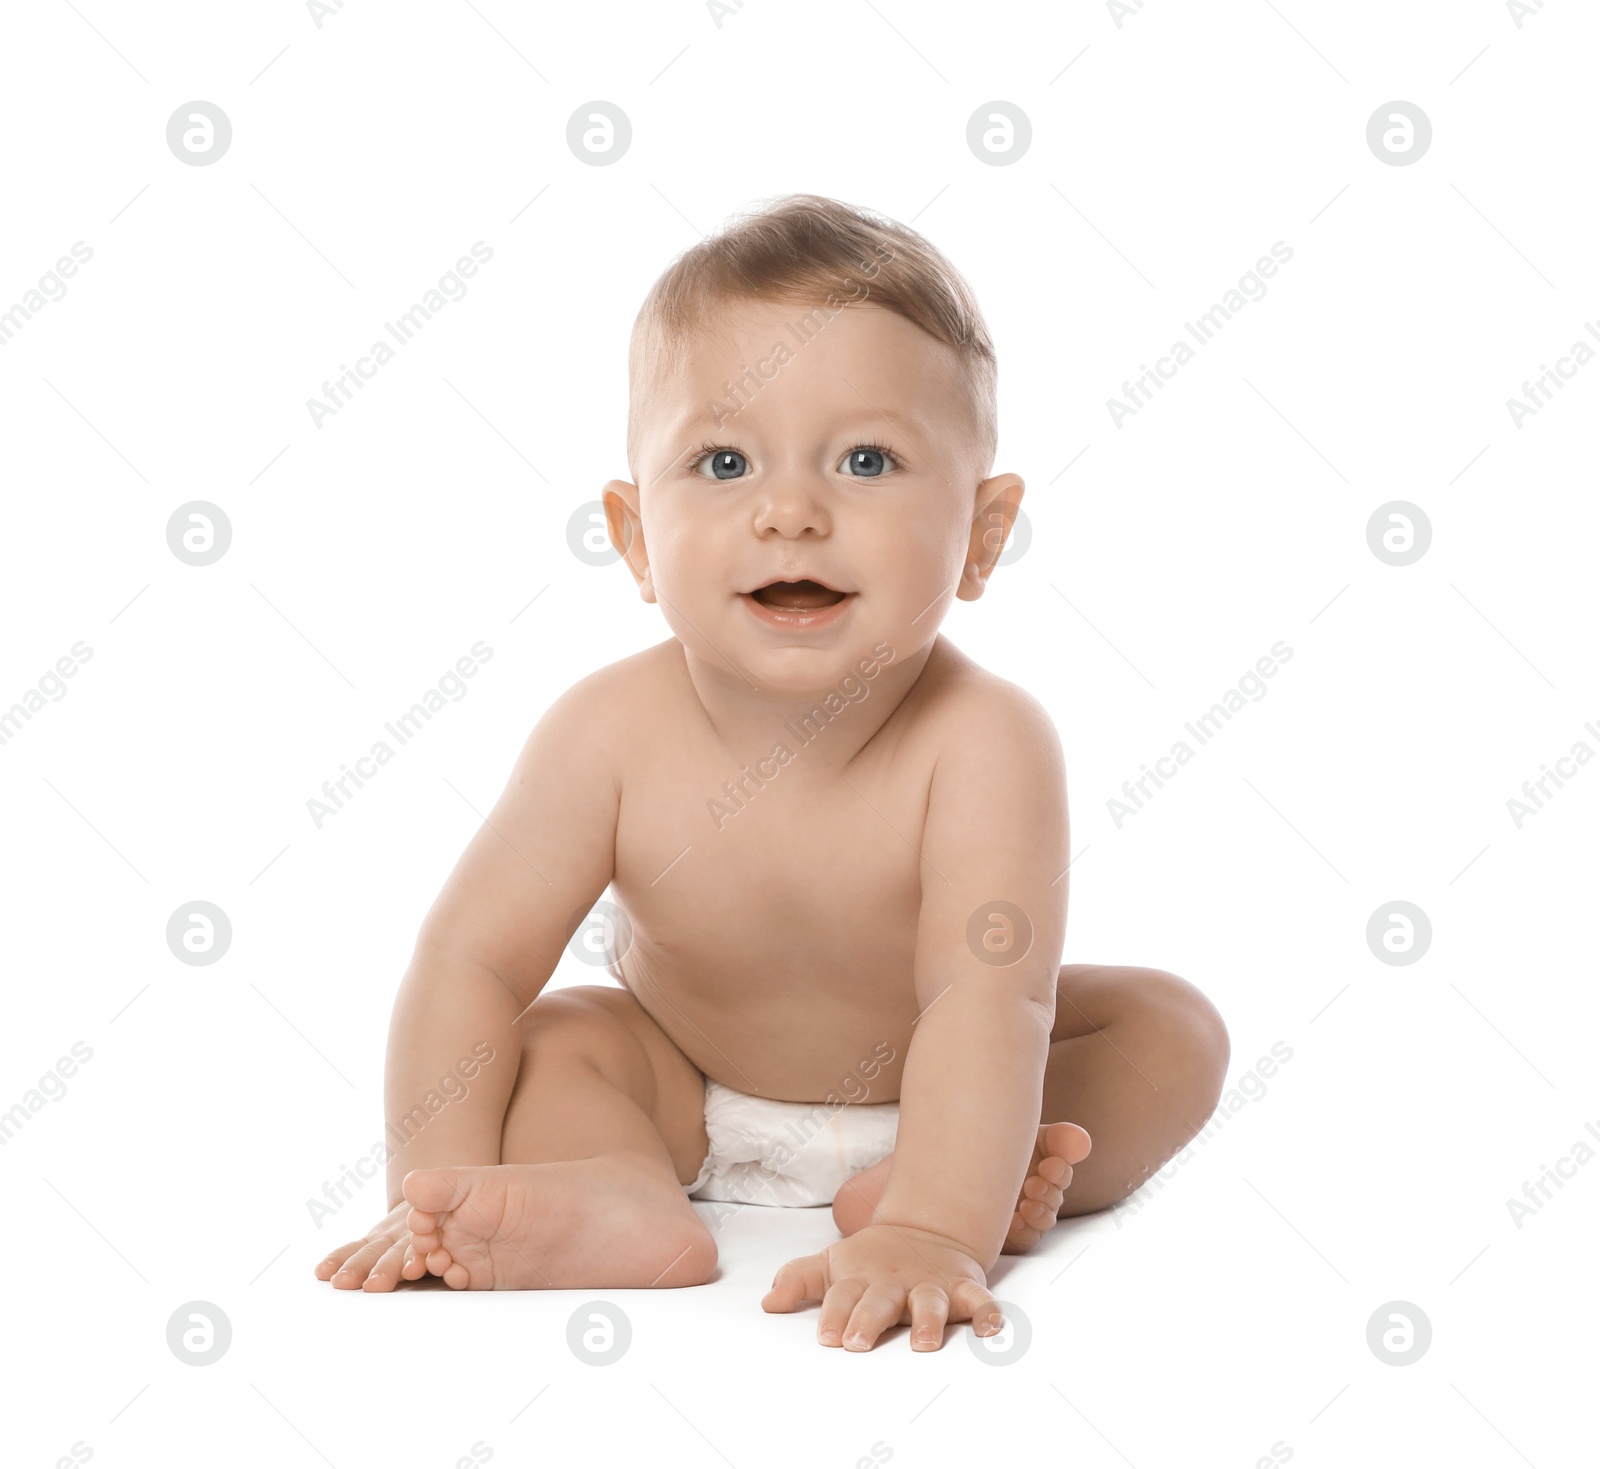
(806, 594)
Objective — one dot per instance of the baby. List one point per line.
(837, 850)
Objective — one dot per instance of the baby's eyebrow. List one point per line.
(700, 418)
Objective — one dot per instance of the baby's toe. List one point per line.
(386, 1273)
(335, 1258)
(1065, 1140)
(1020, 1237)
(353, 1272)
(1037, 1213)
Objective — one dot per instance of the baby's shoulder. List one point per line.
(605, 709)
(968, 708)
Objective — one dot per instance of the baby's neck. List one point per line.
(835, 719)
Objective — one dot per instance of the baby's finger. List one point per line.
(970, 1301)
(335, 1258)
(876, 1311)
(930, 1309)
(837, 1305)
(803, 1279)
(415, 1266)
(386, 1273)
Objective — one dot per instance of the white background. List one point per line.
(1226, 1314)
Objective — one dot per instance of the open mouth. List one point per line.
(797, 596)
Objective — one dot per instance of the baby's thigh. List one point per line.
(596, 1047)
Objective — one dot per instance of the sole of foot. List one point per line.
(611, 1221)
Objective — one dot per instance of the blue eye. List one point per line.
(867, 461)
(723, 464)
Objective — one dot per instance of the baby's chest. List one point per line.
(774, 843)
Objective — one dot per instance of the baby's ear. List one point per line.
(998, 502)
(626, 529)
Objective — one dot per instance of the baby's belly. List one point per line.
(783, 1039)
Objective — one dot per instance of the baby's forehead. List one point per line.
(854, 355)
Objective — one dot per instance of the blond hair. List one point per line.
(807, 248)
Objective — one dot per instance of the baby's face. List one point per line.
(833, 511)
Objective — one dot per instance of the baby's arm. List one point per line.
(485, 951)
(994, 852)
(989, 939)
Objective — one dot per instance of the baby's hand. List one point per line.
(378, 1261)
(884, 1275)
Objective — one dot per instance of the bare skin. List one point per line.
(790, 909)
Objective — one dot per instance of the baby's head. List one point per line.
(811, 428)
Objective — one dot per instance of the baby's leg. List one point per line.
(604, 1126)
(1137, 1058)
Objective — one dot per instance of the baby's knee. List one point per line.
(1186, 1026)
(577, 1023)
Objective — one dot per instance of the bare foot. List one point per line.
(613, 1221)
(1059, 1146)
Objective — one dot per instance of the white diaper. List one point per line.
(787, 1154)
